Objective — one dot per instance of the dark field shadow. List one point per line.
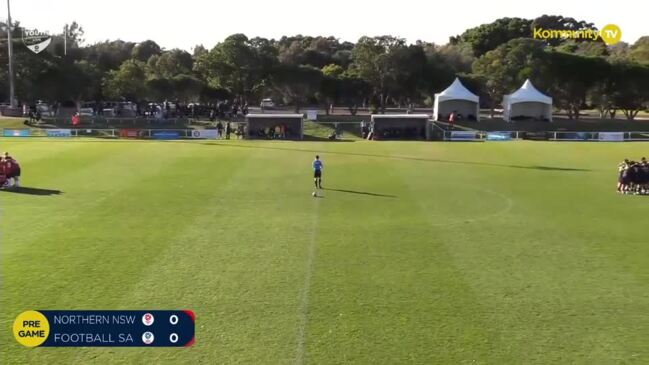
(361, 193)
(308, 138)
(32, 191)
(541, 168)
(548, 168)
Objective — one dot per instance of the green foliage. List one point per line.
(573, 77)
(109, 55)
(505, 68)
(126, 82)
(170, 64)
(489, 36)
(639, 52)
(559, 22)
(597, 49)
(333, 70)
(631, 89)
(379, 71)
(238, 65)
(296, 84)
(145, 50)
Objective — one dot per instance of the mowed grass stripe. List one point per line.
(86, 175)
(380, 291)
(424, 252)
(239, 265)
(100, 250)
(166, 282)
(518, 273)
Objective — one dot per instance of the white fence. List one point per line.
(441, 134)
(463, 135)
(128, 133)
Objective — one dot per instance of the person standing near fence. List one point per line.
(451, 120)
(76, 119)
(219, 129)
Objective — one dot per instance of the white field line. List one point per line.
(304, 301)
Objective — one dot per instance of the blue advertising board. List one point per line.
(16, 132)
(165, 135)
(611, 136)
(499, 136)
(573, 136)
(464, 136)
(59, 133)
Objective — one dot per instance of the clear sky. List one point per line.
(186, 23)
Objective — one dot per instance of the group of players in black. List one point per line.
(633, 177)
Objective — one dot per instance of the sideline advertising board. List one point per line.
(129, 133)
(165, 135)
(312, 115)
(16, 133)
(62, 133)
(611, 136)
(499, 136)
(205, 134)
(464, 136)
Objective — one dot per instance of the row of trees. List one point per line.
(492, 59)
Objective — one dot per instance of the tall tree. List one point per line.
(108, 55)
(297, 84)
(506, 68)
(489, 36)
(559, 22)
(374, 63)
(126, 82)
(234, 65)
(145, 50)
(573, 76)
(170, 64)
(639, 51)
(631, 93)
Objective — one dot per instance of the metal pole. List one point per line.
(12, 96)
(65, 40)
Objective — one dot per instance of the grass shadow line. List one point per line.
(535, 167)
(32, 191)
(362, 193)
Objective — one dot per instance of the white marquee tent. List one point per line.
(527, 102)
(456, 98)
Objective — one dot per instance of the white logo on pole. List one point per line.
(35, 40)
(147, 338)
(147, 319)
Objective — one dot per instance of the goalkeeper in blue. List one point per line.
(317, 172)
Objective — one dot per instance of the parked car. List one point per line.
(44, 109)
(87, 109)
(267, 104)
(120, 109)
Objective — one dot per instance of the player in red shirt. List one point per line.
(3, 173)
(12, 170)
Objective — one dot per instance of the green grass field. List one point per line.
(427, 253)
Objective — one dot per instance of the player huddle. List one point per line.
(9, 171)
(633, 177)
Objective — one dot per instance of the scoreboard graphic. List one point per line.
(154, 328)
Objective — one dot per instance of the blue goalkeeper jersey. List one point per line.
(317, 165)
